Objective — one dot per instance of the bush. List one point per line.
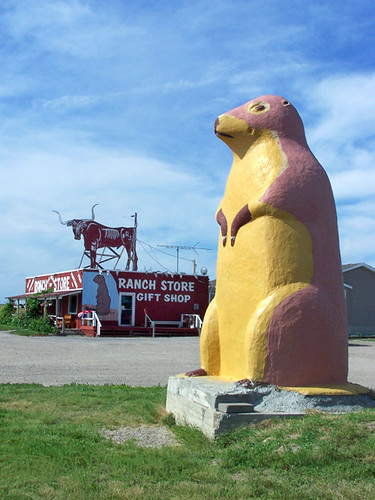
(41, 325)
(18, 321)
(31, 319)
(33, 309)
(7, 312)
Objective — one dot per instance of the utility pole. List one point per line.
(134, 239)
(179, 247)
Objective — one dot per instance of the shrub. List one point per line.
(31, 319)
(6, 312)
(33, 309)
(41, 325)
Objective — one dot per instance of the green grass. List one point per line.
(25, 332)
(50, 447)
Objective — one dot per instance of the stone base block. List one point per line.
(211, 406)
(215, 406)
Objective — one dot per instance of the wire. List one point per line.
(152, 257)
(163, 252)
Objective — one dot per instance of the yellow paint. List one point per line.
(330, 390)
(347, 389)
(270, 260)
(211, 378)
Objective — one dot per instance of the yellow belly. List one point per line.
(270, 260)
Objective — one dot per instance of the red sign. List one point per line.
(58, 282)
(165, 296)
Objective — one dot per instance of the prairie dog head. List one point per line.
(264, 116)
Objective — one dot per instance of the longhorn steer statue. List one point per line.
(96, 236)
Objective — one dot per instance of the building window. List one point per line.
(73, 304)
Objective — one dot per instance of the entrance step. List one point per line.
(146, 331)
(72, 331)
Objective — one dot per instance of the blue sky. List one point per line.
(114, 103)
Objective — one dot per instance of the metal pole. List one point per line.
(135, 238)
(194, 267)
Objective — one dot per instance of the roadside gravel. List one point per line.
(59, 360)
(140, 361)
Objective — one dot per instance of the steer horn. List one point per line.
(92, 212)
(65, 223)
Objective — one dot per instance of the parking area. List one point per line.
(133, 361)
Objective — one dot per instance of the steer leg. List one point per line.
(93, 258)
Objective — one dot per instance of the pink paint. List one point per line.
(222, 221)
(243, 217)
(307, 336)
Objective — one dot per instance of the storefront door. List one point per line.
(127, 309)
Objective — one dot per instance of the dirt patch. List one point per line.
(145, 436)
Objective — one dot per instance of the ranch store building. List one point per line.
(103, 302)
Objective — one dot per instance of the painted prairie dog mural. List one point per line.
(103, 299)
(279, 313)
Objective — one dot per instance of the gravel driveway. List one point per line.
(140, 361)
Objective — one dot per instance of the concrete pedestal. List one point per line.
(214, 407)
(217, 407)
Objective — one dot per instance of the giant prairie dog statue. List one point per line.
(279, 314)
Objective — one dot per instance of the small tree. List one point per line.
(33, 309)
(7, 312)
(32, 319)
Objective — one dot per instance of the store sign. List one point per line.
(158, 290)
(58, 282)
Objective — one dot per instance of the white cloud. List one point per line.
(26, 16)
(72, 27)
(341, 134)
(173, 204)
(346, 108)
(354, 183)
(187, 84)
(115, 103)
(357, 239)
(71, 102)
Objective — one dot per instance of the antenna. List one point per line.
(181, 247)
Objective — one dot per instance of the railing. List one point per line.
(93, 320)
(96, 323)
(56, 320)
(186, 321)
(154, 323)
(147, 318)
(192, 321)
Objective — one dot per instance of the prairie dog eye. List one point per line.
(259, 107)
(286, 103)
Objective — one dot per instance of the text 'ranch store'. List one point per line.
(122, 298)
